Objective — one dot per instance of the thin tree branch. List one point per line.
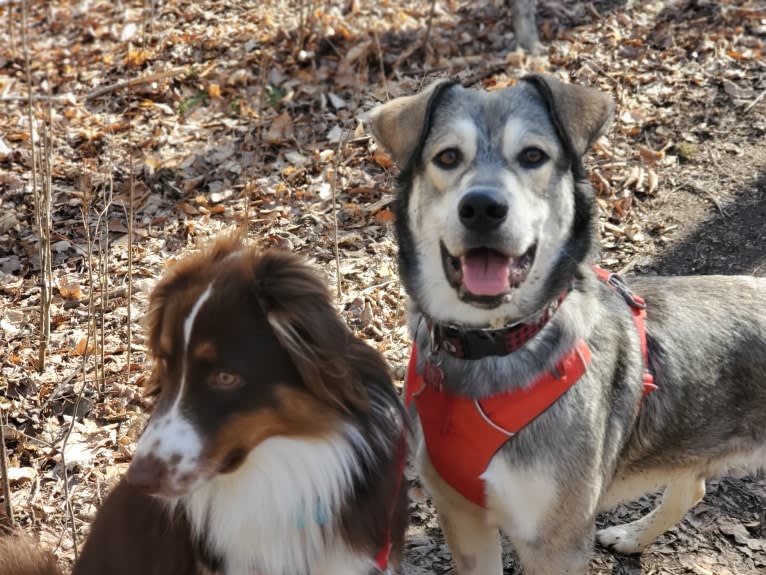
(156, 76)
(4, 470)
(333, 187)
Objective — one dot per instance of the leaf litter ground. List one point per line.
(211, 115)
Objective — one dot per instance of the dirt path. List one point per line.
(211, 114)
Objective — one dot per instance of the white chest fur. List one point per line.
(275, 514)
(519, 498)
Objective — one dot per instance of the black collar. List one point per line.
(476, 343)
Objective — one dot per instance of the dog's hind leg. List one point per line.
(680, 495)
(472, 540)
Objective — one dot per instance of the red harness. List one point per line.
(383, 556)
(462, 435)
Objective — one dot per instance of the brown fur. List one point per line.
(319, 343)
(134, 534)
(267, 356)
(299, 414)
(20, 555)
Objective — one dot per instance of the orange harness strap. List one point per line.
(638, 307)
(462, 435)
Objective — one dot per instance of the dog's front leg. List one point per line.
(550, 523)
(472, 540)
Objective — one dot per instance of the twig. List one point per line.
(12, 31)
(46, 269)
(301, 24)
(177, 71)
(382, 64)
(260, 130)
(38, 201)
(490, 70)
(628, 267)
(103, 254)
(755, 102)
(90, 331)
(130, 216)
(429, 24)
(335, 214)
(4, 470)
(148, 25)
(66, 99)
(705, 192)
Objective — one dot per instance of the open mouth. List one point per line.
(485, 275)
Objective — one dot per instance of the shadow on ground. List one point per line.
(731, 241)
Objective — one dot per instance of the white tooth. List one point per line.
(507, 298)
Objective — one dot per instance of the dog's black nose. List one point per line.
(482, 209)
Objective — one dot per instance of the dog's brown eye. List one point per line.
(449, 158)
(532, 156)
(224, 380)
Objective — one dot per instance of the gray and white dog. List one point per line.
(495, 220)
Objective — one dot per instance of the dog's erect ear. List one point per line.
(397, 125)
(581, 114)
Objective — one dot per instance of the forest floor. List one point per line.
(192, 117)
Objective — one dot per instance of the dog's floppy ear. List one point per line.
(299, 310)
(398, 125)
(580, 114)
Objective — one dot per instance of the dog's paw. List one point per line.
(620, 538)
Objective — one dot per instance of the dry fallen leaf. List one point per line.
(281, 129)
(385, 216)
(18, 474)
(382, 159)
(70, 289)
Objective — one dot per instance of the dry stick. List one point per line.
(68, 99)
(35, 190)
(12, 31)
(382, 65)
(88, 332)
(490, 70)
(4, 470)
(335, 213)
(103, 253)
(177, 71)
(301, 31)
(150, 22)
(260, 130)
(47, 209)
(130, 215)
(429, 24)
(755, 102)
(129, 317)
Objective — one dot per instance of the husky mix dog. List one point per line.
(496, 227)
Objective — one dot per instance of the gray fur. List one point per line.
(707, 335)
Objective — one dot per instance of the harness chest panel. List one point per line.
(462, 435)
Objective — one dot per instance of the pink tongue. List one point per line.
(485, 272)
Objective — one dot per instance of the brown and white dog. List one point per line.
(276, 446)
